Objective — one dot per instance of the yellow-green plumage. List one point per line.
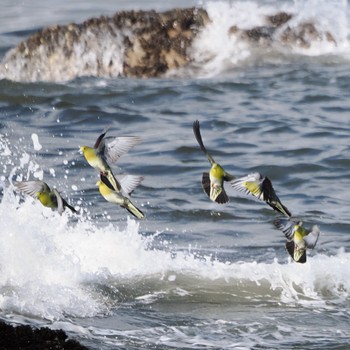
(47, 197)
(103, 154)
(99, 163)
(261, 187)
(47, 200)
(252, 187)
(114, 197)
(216, 176)
(299, 239)
(212, 182)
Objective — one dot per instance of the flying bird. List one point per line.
(260, 187)
(117, 198)
(299, 239)
(213, 182)
(108, 150)
(47, 197)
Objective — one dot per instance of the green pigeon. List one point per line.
(299, 239)
(213, 182)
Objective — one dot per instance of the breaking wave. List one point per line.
(55, 266)
(201, 42)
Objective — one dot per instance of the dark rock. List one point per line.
(304, 35)
(22, 337)
(278, 19)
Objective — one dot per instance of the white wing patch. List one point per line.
(250, 184)
(286, 226)
(32, 187)
(128, 183)
(312, 238)
(60, 207)
(119, 146)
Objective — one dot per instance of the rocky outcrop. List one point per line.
(28, 338)
(139, 44)
(133, 43)
(278, 29)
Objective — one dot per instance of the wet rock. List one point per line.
(263, 35)
(21, 337)
(141, 44)
(159, 41)
(278, 30)
(304, 35)
(279, 19)
(131, 43)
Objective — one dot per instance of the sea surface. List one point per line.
(193, 274)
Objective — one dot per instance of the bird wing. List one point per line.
(32, 187)
(286, 226)
(250, 184)
(312, 238)
(260, 187)
(197, 134)
(228, 177)
(220, 196)
(60, 207)
(206, 183)
(118, 146)
(128, 183)
(99, 144)
(271, 198)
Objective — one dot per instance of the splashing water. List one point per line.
(317, 29)
(52, 266)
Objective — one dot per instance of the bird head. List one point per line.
(39, 194)
(88, 152)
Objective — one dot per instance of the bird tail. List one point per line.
(222, 197)
(278, 206)
(298, 256)
(290, 248)
(197, 134)
(69, 206)
(271, 198)
(131, 208)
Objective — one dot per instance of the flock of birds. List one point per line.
(117, 189)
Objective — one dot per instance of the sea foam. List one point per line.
(56, 266)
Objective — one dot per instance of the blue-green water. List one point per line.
(192, 274)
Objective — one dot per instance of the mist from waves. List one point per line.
(217, 50)
(317, 30)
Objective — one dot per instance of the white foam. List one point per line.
(52, 266)
(216, 50)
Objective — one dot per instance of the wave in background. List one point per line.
(237, 34)
(218, 49)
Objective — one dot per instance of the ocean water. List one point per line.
(193, 274)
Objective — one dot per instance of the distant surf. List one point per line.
(199, 41)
